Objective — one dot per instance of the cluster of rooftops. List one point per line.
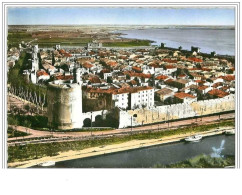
(116, 71)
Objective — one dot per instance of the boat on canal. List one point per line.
(230, 167)
(230, 132)
(193, 138)
(47, 164)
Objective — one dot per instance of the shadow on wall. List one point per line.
(87, 122)
(110, 121)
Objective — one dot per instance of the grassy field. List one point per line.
(14, 133)
(128, 44)
(14, 38)
(50, 42)
(34, 151)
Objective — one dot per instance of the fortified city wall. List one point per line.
(176, 111)
(65, 110)
(94, 114)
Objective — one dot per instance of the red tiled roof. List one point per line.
(135, 74)
(170, 67)
(182, 81)
(105, 71)
(199, 81)
(202, 87)
(136, 68)
(47, 66)
(102, 54)
(214, 78)
(182, 95)
(134, 89)
(62, 77)
(217, 84)
(164, 91)
(62, 51)
(112, 63)
(94, 79)
(154, 64)
(218, 93)
(169, 81)
(118, 91)
(228, 77)
(194, 69)
(181, 75)
(193, 59)
(195, 75)
(161, 77)
(67, 55)
(87, 65)
(169, 60)
(206, 69)
(42, 73)
(91, 52)
(122, 57)
(140, 61)
(133, 82)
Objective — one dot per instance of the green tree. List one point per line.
(12, 120)
(53, 59)
(26, 123)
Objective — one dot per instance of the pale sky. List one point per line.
(118, 15)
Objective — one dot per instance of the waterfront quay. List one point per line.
(108, 149)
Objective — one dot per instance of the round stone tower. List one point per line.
(64, 105)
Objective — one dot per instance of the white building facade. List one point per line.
(144, 98)
(121, 100)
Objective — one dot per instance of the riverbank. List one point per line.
(113, 148)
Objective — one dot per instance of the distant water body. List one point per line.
(222, 41)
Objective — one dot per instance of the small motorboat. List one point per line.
(47, 164)
(193, 138)
(230, 167)
(230, 132)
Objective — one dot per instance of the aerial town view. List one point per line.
(134, 88)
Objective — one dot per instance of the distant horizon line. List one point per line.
(119, 25)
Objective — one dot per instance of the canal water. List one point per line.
(160, 154)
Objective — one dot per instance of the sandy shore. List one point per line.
(94, 151)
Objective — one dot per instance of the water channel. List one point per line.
(150, 156)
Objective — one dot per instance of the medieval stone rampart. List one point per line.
(175, 111)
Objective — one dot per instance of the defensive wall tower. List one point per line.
(64, 105)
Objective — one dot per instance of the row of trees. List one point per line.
(34, 96)
(19, 86)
